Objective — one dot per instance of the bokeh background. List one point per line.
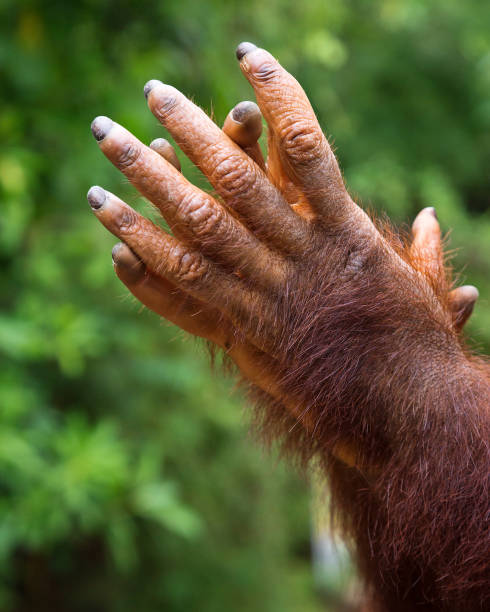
(127, 478)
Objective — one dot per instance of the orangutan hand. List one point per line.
(281, 268)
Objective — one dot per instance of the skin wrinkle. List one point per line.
(262, 205)
(167, 104)
(302, 144)
(129, 154)
(203, 217)
(321, 183)
(361, 361)
(235, 179)
(170, 197)
(169, 259)
(160, 295)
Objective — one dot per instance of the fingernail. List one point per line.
(432, 211)
(471, 293)
(124, 258)
(159, 144)
(96, 197)
(149, 86)
(243, 110)
(115, 250)
(244, 48)
(166, 150)
(101, 126)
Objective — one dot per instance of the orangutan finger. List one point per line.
(462, 301)
(184, 267)
(307, 157)
(239, 181)
(193, 215)
(426, 249)
(166, 150)
(165, 299)
(244, 126)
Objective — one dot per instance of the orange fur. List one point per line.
(375, 360)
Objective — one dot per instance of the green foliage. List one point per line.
(127, 479)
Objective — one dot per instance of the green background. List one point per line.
(127, 479)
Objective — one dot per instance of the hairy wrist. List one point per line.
(362, 354)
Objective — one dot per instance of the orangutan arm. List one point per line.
(352, 337)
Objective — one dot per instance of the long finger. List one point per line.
(161, 296)
(239, 181)
(306, 154)
(184, 267)
(193, 215)
(243, 125)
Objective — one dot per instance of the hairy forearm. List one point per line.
(398, 412)
(420, 518)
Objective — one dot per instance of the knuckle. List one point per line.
(234, 176)
(203, 217)
(128, 155)
(128, 221)
(266, 72)
(187, 267)
(302, 141)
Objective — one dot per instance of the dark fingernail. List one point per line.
(149, 86)
(124, 258)
(244, 110)
(96, 197)
(244, 48)
(115, 250)
(101, 126)
(166, 150)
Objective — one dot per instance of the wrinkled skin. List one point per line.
(252, 229)
(264, 268)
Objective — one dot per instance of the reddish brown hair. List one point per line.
(375, 361)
